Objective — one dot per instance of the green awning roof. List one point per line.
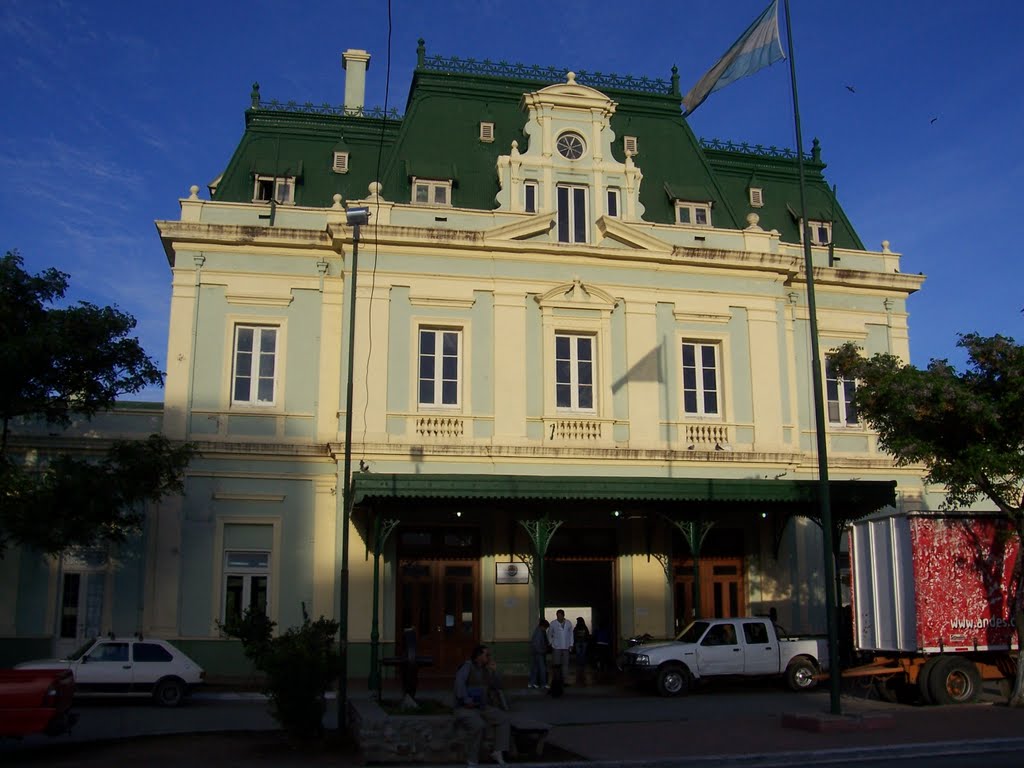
(860, 496)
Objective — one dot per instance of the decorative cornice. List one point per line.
(444, 303)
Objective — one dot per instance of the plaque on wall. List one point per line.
(511, 573)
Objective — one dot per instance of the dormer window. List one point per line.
(571, 146)
(486, 132)
(629, 145)
(280, 189)
(821, 232)
(693, 214)
(340, 164)
(431, 192)
(756, 197)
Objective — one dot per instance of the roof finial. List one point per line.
(570, 78)
(421, 52)
(675, 81)
(816, 150)
(254, 97)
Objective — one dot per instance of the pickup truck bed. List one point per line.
(36, 701)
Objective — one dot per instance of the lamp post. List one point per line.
(355, 217)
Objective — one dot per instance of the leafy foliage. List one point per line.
(300, 665)
(967, 429)
(60, 362)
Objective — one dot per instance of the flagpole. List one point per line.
(819, 404)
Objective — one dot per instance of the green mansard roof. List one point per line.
(438, 138)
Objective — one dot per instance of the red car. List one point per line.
(36, 701)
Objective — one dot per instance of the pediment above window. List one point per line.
(576, 295)
(570, 95)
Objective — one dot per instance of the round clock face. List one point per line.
(512, 570)
(570, 146)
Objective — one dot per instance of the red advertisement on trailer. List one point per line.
(965, 576)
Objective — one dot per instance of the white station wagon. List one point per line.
(128, 666)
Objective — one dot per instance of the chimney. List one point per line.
(355, 62)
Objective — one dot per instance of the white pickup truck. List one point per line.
(716, 647)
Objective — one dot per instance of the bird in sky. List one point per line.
(851, 89)
(932, 121)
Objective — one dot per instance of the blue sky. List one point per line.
(113, 109)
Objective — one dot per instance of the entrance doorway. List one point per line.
(721, 589)
(438, 594)
(587, 585)
(81, 610)
(439, 600)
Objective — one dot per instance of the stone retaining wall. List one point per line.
(384, 738)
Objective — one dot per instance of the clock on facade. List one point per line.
(570, 146)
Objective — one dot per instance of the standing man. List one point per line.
(560, 636)
(474, 682)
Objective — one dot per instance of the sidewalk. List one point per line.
(723, 725)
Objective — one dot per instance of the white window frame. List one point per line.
(253, 373)
(340, 164)
(486, 132)
(283, 186)
(698, 388)
(572, 213)
(574, 383)
(630, 145)
(248, 574)
(437, 358)
(693, 210)
(531, 185)
(432, 186)
(816, 227)
(613, 193)
(756, 197)
(838, 399)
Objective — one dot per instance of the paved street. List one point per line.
(723, 725)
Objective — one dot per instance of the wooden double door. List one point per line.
(440, 600)
(721, 589)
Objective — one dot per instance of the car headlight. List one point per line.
(642, 660)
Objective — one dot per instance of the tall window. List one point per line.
(700, 379)
(574, 372)
(612, 202)
(839, 394)
(255, 365)
(572, 214)
(530, 197)
(439, 362)
(246, 584)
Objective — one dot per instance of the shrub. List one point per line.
(300, 666)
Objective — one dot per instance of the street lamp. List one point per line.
(355, 217)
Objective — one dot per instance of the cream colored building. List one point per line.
(581, 370)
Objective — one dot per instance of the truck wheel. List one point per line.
(954, 681)
(923, 676)
(673, 680)
(800, 674)
(169, 692)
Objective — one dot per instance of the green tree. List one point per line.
(300, 666)
(59, 363)
(966, 428)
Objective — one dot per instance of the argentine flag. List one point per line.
(757, 48)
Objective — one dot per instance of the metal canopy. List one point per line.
(854, 498)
